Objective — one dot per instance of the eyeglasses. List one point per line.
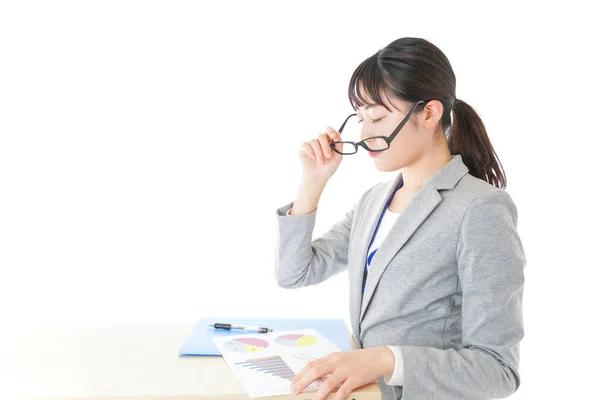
(373, 143)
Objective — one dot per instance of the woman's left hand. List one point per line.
(352, 369)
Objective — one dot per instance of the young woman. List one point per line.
(434, 260)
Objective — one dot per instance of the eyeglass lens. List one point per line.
(351, 134)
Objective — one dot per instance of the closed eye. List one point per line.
(374, 121)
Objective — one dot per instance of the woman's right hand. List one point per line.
(319, 161)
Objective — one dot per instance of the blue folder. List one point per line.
(200, 342)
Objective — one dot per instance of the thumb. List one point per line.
(334, 135)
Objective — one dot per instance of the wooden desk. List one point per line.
(118, 360)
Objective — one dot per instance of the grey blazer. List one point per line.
(446, 284)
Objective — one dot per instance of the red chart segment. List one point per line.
(296, 340)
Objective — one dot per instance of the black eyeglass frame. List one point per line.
(388, 139)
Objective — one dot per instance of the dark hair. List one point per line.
(413, 69)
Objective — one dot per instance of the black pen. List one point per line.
(259, 329)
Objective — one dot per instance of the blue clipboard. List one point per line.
(200, 342)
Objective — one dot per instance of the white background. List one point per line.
(144, 148)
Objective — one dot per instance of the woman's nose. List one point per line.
(364, 135)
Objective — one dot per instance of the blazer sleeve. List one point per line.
(301, 261)
(491, 264)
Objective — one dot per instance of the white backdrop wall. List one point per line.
(145, 145)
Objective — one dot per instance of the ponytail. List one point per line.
(469, 138)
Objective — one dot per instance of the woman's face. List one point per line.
(410, 142)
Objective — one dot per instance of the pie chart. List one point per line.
(246, 345)
(296, 340)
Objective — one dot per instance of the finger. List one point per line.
(311, 376)
(316, 146)
(306, 147)
(324, 140)
(330, 383)
(333, 134)
(310, 365)
(335, 137)
(344, 390)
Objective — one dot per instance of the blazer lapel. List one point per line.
(414, 214)
(373, 206)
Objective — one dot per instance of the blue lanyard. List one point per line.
(365, 273)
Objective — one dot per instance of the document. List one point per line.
(265, 363)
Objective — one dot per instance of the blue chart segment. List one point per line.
(269, 365)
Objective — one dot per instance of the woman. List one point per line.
(437, 310)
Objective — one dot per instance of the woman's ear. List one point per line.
(432, 113)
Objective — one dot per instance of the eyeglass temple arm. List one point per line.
(342, 127)
(344, 124)
(399, 127)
